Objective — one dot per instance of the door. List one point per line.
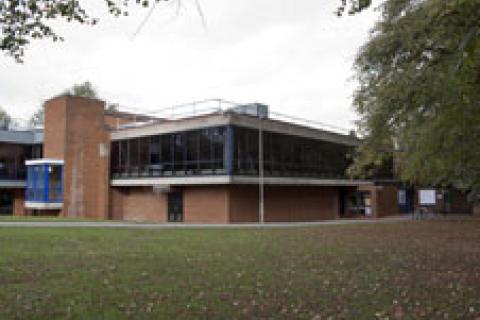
(406, 200)
(175, 206)
(6, 203)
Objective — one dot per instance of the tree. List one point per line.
(353, 6)
(85, 89)
(23, 21)
(38, 117)
(5, 119)
(419, 92)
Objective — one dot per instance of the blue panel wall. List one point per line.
(39, 188)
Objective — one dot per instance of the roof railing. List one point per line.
(212, 106)
(308, 123)
(18, 124)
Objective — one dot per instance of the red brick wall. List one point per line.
(54, 135)
(301, 203)
(19, 202)
(75, 132)
(284, 203)
(243, 203)
(205, 204)
(115, 209)
(138, 204)
(384, 200)
(223, 204)
(387, 201)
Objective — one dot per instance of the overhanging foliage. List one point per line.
(419, 92)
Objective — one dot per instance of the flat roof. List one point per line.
(230, 118)
(21, 137)
(130, 115)
(12, 184)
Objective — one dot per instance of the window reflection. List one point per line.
(44, 183)
(55, 192)
(288, 156)
(12, 159)
(202, 152)
(193, 152)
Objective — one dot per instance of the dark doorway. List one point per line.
(6, 203)
(406, 199)
(175, 206)
(355, 203)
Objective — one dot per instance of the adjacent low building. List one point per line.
(15, 148)
(93, 163)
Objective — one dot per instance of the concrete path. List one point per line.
(114, 224)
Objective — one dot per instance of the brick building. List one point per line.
(92, 163)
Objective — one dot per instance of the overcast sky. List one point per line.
(295, 56)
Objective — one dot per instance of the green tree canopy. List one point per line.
(23, 21)
(85, 89)
(5, 118)
(353, 6)
(419, 92)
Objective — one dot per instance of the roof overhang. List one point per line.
(24, 137)
(44, 161)
(226, 179)
(12, 184)
(222, 119)
(43, 205)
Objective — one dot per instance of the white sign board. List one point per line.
(368, 211)
(427, 197)
(402, 197)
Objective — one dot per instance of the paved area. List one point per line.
(114, 224)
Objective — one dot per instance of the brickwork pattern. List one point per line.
(75, 132)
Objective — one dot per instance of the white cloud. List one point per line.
(294, 55)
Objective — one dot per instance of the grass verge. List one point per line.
(426, 269)
(11, 218)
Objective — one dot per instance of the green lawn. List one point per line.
(427, 269)
(12, 218)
